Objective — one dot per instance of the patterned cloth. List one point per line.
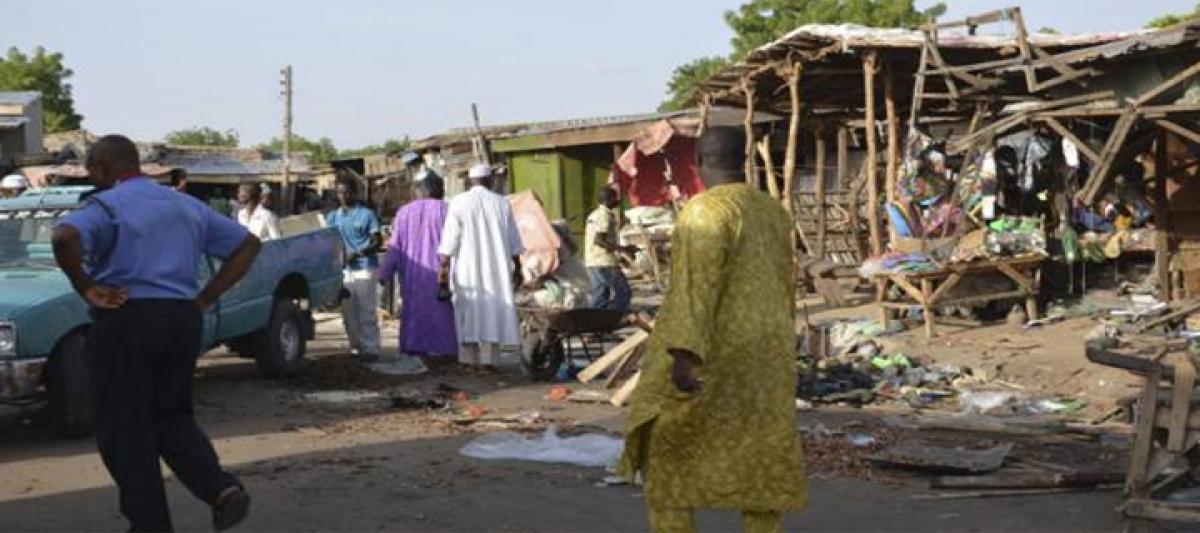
(734, 444)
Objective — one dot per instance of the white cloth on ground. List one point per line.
(359, 310)
(480, 236)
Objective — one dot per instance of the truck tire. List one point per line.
(282, 346)
(70, 402)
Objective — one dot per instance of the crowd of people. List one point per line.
(712, 418)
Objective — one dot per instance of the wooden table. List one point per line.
(930, 290)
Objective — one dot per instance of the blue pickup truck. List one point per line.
(43, 323)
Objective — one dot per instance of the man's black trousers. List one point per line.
(143, 356)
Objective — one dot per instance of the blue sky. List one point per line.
(366, 70)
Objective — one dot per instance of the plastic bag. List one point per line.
(586, 450)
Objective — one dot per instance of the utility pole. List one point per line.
(286, 193)
(479, 143)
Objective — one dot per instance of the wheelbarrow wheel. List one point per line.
(541, 355)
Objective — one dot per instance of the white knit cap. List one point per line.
(14, 181)
(480, 171)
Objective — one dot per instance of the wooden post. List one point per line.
(893, 132)
(286, 194)
(872, 180)
(748, 123)
(764, 152)
(1162, 220)
(819, 188)
(789, 159)
(843, 157)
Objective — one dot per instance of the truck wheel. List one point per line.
(282, 348)
(70, 404)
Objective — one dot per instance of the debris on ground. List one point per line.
(925, 457)
(592, 450)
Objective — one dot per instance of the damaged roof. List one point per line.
(833, 59)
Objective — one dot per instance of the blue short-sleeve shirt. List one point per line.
(356, 225)
(150, 239)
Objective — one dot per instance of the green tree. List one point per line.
(687, 78)
(759, 22)
(203, 136)
(389, 146)
(319, 151)
(1173, 19)
(43, 72)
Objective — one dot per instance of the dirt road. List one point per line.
(343, 462)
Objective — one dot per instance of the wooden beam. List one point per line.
(819, 188)
(872, 182)
(1108, 156)
(843, 157)
(893, 132)
(613, 356)
(918, 88)
(748, 124)
(1084, 149)
(1023, 45)
(977, 20)
(1165, 86)
(1162, 221)
(764, 152)
(793, 139)
(1178, 130)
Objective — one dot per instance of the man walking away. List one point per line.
(254, 216)
(144, 243)
(426, 323)
(360, 234)
(479, 239)
(712, 421)
(610, 289)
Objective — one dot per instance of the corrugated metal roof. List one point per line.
(223, 161)
(19, 97)
(550, 126)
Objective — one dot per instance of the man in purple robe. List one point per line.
(426, 322)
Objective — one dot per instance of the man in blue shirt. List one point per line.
(132, 252)
(360, 234)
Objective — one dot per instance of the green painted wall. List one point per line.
(540, 172)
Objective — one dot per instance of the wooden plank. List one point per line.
(1023, 45)
(1062, 130)
(1157, 510)
(1023, 281)
(1178, 130)
(977, 20)
(793, 139)
(872, 155)
(1008, 295)
(1184, 310)
(764, 152)
(843, 156)
(1108, 156)
(626, 366)
(620, 351)
(1181, 395)
(910, 289)
(1162, 222)
(1028, 480)
(1138, 484)
(945, 287)
(926, 308)
(918, 88)
(1165, 86)
(893, 133)
(819, 189)
(622, 395)
(748, 125)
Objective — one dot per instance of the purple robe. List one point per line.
(426, 324)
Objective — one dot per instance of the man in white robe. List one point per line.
(480, 251)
